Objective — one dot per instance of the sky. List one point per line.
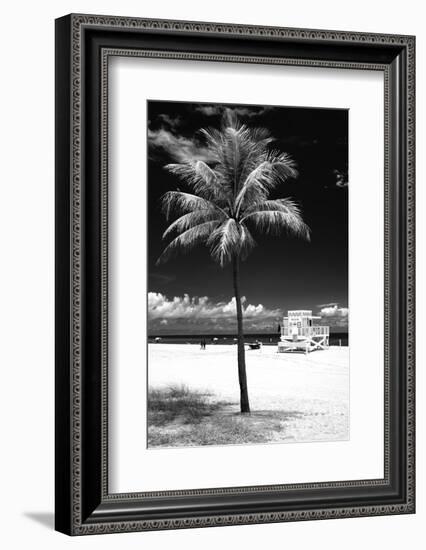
(190, 294)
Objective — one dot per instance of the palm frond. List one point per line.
(247, 241)
(188, 239)
(283, 164)
(232, 155)
(230, 239)
(224, 241)
(277, 216)
(275, 168)
(213, 137)
(237, 150)
(201, 178)
(192, 219)
(182, 203)
(259, 134)
(256, 153)
(231, 195)
(230, 120)
(257, 185)
(284, 205)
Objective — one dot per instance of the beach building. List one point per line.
(300, 333)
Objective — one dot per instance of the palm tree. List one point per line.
(227, 200)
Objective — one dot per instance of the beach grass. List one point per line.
(179, 405)
(193, 398)
(180, 417)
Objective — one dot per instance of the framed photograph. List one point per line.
(234, 274)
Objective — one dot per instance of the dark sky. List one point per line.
(281, 273)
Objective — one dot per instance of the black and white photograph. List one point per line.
(248, 313)
(210, 254)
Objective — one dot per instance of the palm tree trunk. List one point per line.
(242, 376)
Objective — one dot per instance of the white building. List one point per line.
(299, 333)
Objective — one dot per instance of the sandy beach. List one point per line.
(309, 394)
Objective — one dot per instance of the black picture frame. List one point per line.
(83, 44)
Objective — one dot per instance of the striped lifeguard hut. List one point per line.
(299, 333)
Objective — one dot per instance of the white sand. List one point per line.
(315, 387)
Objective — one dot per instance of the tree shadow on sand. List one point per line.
(180, 417)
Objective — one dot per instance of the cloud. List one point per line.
(172, 122)
(180, 148)
(334, 315)
(241, 111)
(167, 137)
(330, 304)
(200, 313)
(159, 306)
(334, 310)
(341, 178)
(161, 278)
(209, 110)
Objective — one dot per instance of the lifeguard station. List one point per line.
(299, 333)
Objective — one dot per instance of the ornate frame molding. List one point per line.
(77, 522)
